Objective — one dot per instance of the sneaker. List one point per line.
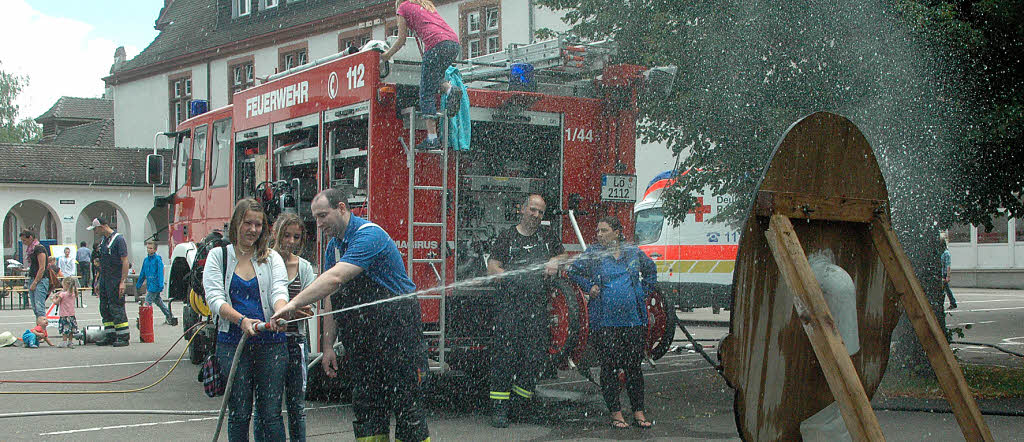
(71, 344)
(62, 344)
(429, 144)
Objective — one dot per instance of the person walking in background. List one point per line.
(37, 281)
(610, 272)
(67, 325)
(440, 48)
(66, 263)
(288, 240)
(84, 259)
(113, 259)
(152, 273)
(947, 262)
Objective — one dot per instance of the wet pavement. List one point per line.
(685, 397)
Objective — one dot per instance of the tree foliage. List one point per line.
(12, 130)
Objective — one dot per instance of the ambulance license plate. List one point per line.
(619, 188)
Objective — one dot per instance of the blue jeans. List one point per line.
(295, 388)
(155, 299)
(39, 295)
(260, 375)
(435, 63)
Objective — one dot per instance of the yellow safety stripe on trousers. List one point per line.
(501, 395)
(424, 440)
(121, 325)
(108, 324)
(374, 438)
(522, 392)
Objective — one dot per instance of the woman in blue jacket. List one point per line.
(615, 276)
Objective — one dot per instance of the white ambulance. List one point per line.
(696, 257)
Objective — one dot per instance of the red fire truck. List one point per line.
(347, 120)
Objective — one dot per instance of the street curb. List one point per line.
(704, 323)
(997, 407)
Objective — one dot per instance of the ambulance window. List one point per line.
(648, 225)
(199, 158)
(219, 158)
(181, 160)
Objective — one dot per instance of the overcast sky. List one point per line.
(66, 47)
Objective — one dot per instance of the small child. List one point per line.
(68, 324)
(32, 336)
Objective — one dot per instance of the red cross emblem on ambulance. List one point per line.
(699, 210)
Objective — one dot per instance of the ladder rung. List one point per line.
(425, 224)
(430, 296)
(427, 260)
(428, 187)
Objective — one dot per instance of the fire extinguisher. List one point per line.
(146, 322)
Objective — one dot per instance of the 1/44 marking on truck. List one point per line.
(579, 134)
(355, 76)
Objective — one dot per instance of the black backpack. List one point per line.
(212, 241)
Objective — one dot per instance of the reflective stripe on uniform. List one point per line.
(374, 438)
(522, 391)
(501, 395)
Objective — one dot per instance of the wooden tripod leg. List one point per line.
(920, 313)
(820, 327)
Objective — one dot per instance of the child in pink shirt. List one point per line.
(68, 324)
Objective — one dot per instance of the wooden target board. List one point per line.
(783, 354)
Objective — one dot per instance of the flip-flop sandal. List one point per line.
(618, 424)
(643, 424)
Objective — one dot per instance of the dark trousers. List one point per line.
(621, 348)
(259, 378)
(112, 307)
(386, 381)
(435, 63)
(85, 271)
(518, 348)
(295, 388)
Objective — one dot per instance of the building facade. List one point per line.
(209, 49)
(988, 259)
(57, 191)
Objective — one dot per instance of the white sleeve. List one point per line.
(278, 279)
(213, 281)
(306, 275)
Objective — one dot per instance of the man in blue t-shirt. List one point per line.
(383, 342)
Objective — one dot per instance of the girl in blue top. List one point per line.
(246, 290)
(615, 276)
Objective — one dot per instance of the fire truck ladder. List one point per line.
(438, 262)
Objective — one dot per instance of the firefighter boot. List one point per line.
(499, 413)
(107, 339)
(121, 340)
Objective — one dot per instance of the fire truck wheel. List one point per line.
(565, 321)
(661, 324)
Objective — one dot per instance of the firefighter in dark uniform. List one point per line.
(521, 318)
(383, 343)
(113, 263)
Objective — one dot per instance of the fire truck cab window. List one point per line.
(648, 224)
(198, 166)
(346, 135)
(250, 161)
(182, 147)
(296, 153)
(220, 157)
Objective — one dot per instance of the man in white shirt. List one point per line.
(66, 263)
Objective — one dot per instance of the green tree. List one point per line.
(12, 130)
(749, 69)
